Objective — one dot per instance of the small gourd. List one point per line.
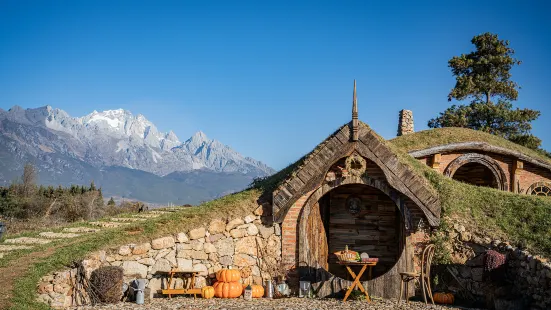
(207, 292)
(444, 298)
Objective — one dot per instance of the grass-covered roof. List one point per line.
(443, 136)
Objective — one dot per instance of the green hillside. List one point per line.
(441, 136)
(523, 220)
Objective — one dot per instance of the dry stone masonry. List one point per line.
(405, 123)
(522, 282)
(242, 243)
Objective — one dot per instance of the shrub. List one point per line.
(107, 283)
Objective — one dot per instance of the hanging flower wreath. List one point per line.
(355, 165)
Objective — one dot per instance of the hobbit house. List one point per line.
(354, 190)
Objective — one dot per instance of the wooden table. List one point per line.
(357, 277)
(188, 276)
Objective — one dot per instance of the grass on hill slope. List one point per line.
(24, 290)
(441, 136)
(522, 219)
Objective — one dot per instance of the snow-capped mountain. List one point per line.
(119, 138)
(114, 138)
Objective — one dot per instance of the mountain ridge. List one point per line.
(70, 149)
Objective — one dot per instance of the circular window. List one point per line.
(541, 190)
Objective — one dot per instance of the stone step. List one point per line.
(53, 235)
(168, 210)
(9, 248)
(126, 219)
(158, 212)
(108, 224)
(147, 215)
(27, 240)
(80, 229)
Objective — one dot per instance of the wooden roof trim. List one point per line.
(398, 175)
(478, 146)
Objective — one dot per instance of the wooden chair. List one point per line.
(406, 277)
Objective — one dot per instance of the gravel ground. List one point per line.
(266, 304)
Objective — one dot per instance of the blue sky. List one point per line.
(270, 78)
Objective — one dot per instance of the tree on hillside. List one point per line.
(28, 179)
(483, 75)
(111, 202)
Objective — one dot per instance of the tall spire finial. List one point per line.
(355, 122)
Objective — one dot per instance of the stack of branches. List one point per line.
(104, 286)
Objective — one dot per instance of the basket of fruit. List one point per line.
(347, 255)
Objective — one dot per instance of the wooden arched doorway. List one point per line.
(327, 223)
(478, 169)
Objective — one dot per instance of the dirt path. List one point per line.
(18, 268)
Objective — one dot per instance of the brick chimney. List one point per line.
(405, 123)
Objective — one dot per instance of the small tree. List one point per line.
(29, 179)
(482, 75)
(111, 202)
(485, 73)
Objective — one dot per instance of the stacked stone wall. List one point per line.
(405, 122)
(523, 282)
(242, 243)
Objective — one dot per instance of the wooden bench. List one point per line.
(188, 276)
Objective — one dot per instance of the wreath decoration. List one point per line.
(355, 165)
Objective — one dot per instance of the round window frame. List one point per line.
(532, 190)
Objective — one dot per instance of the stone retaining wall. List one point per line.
(523, 282)
(243, 243)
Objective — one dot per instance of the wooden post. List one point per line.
(518, 166)
(435, 164)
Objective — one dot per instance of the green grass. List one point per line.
(441, 136)
(228, 207)
(523, 220)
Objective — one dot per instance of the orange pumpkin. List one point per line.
(444, 298)
(227, 289)
(207, 292)
(228, 275)
(258, 290)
